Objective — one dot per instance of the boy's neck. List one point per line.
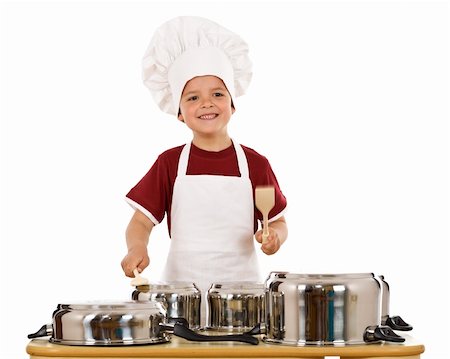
(213, 144)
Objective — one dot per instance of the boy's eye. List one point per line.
(218, 94)
(192, 98)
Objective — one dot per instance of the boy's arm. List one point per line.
(137, 236)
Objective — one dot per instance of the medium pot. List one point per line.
(324, 309)
(395, 322)
(120, 323)
(179, 299)
(235, 306)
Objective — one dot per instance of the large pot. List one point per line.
(235, 306)
(324, 309)
(120, 323)
(179, 299)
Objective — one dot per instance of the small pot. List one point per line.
(395, 322)
(120, 324)
(235, 306)
(179, 299)
(324, 309)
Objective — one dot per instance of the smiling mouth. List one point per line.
(209, 116)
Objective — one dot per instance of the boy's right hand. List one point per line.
(136, 258)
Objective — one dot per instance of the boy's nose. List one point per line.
(207, 103)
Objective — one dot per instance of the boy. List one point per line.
(195, 69)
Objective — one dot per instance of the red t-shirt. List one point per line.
(153, 193)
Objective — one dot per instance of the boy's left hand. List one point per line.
(272, 244)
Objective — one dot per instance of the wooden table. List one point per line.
(180, 348)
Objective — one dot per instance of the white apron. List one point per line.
(212, 228)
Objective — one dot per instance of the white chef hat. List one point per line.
(190, 46)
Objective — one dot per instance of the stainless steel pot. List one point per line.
(179, 299)
(120, 323)
(324, 309)
(101, 323)
(395, 322)
(235, 306)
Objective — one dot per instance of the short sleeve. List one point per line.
(149, 195)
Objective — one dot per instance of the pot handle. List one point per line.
(382, 332)
(44, 331)
(397, 323)
(259, 328)
(184, 332)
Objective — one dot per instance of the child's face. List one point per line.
(205, 106)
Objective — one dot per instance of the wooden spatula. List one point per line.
(265, 200)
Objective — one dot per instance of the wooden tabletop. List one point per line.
(180, 348)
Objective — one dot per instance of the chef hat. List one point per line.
(189, 46)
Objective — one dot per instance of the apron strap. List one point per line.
(242, 161)
(183, 161)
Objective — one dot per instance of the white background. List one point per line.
(349, 102)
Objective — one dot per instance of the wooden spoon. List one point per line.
(138, 281)
(265, 201)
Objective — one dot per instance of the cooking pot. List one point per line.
(121, 323)
(179, 299)
(395, 322)
(324, 309)
(235, 306)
